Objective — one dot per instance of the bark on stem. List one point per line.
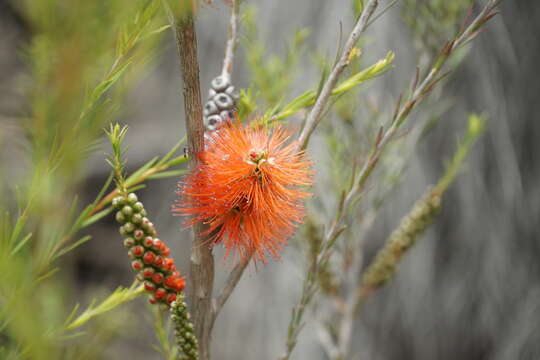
(201, 279)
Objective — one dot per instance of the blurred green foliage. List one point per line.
(81, 56)
(271, 74)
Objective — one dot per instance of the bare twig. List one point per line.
(231, 42)
(327, 342)
(295, 325)
(202, 260)
(232, 280)
(317, 111)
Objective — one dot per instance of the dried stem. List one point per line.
(201, 279)
(314, 116)
(231, 41)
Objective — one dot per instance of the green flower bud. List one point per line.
(117, 202)
(132, 198)
(128, 227)
(127, 210)
(120, 217)
(136, 218)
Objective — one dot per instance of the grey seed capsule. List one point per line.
(233, 92)
(226, 115)
(211, 107)
(224, 101)
(219, 84)
(213, 121)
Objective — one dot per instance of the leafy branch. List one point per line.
(119, 297)
(156, 168)
(308, 98)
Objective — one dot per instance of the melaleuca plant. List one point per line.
(249, 185)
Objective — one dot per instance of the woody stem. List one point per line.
(201, 279)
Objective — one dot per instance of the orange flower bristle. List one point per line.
(248, 188)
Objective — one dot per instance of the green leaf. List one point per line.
(109, 81)
(20, 244)
(19, 226)
(308, 98)
(72, 246)
(120, 296)
(137, 174)
(97, 216)
(171, 152)
(167, 174)
(177, 161)
(103, 189)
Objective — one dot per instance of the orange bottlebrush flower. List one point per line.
(248, 189)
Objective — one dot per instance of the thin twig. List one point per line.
(315, 115)
(327, 343)
(381, 13)
(231, 42)
(202, 260)
(232, 280)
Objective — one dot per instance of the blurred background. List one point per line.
(470, 289)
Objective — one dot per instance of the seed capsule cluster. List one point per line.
(221, 103)
(185, 338)
(149, 255)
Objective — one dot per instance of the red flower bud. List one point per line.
(166, 251)
(148, 272)
(171, 297)
(129, 242)
(148, 286)
(160, 294)
(158, 261)
(148, 241)
(138, 234)
(168, 264)
(157, 278)
(149, 257)
(137, 251)
(175, 282)
(157, 245)
(137, 265)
